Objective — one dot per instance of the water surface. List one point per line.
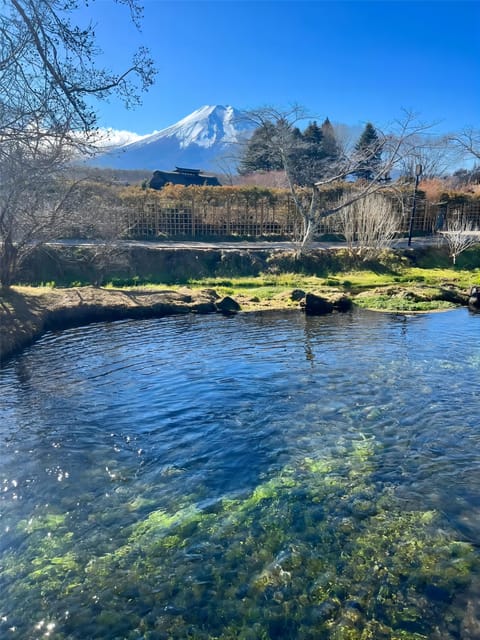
(262, 476)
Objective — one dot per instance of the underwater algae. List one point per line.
(321, 550)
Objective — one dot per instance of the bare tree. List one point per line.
(35, 199)
(48, 77)
(101, 218)
(48, 70)
(312, 207)
(460, 234)
(436, 155)
(371, 224)
(468, 141)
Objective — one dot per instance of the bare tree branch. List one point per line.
(460, 234)
(395, 145)
(468, 141)
(370, 224)
(48, 73)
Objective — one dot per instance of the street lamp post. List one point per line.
(418, 173)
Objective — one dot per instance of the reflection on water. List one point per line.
(215, 477)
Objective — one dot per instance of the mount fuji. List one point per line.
(207, 139)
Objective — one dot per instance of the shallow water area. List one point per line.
(260, 476)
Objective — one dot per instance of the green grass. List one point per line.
(285, 280)
(270, 287)
(142, 287)
(264, 287)
(366, 279)
(461, 277)
(387, 303)
(357, 280)
(274, 289)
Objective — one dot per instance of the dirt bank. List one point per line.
(26, 313)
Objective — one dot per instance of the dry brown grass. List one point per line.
(434, 188)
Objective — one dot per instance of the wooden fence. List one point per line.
(255, 217)
(266, 216)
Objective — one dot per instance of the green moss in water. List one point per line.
(319, 551)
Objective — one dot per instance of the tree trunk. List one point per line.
(8, 263)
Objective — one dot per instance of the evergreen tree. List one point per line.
(369, 152)
(313, 134)
(260, 154)
(295, 153)
(309, 156)
(330, 146)
(320, 153)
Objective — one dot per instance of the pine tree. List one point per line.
(260, 154)
(313, 134)
(309, 156)
(369, 151)
(330, 146)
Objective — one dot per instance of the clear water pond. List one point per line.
(256, 477)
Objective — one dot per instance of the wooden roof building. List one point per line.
(183, 176)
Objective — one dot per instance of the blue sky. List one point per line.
(351, 61)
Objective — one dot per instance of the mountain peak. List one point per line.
(195, 140)
(208, 110)
(205, 127)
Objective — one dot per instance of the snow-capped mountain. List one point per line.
(208, 139)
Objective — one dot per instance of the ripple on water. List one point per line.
(103, 425)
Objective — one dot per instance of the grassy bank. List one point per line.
(27, 312)
(412, 289)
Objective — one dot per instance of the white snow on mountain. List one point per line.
(113, 138)
(205, 127)
(204, 139)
